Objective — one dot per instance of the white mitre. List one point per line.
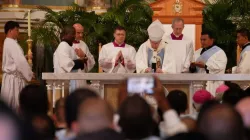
(156, 31)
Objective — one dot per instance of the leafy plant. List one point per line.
(134, 15)
(222, 18)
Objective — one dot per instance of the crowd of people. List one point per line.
(84, 115)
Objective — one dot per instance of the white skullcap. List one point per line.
(156, 31)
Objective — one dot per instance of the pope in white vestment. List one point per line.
(211, 60)
(117, 56)
(155, 55)
(181, 45)
(243, 66)
(16, 70)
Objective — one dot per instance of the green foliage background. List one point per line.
(134, 15)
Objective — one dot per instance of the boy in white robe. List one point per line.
(90, 61)
(66, 58)
(155, 55)
(243, 66)
(181, 45)
(209, 59)
(16, 70)
(117, 56)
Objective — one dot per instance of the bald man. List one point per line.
(221, 122)
(94, 115)
(78, 43)
(89, 60)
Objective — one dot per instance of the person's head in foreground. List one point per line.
(72, 104)
(33, 100)
(221, 122)
(44, 127)
(178, 101)
(95, 114)
(155, 33)
(233, 95)
(10, 126)
(200, 97)
(136, 120)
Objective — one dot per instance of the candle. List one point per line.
(29, 24)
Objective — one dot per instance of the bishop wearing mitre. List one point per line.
(155, 55)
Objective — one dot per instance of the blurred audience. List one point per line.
(44, 127)
(220, 92)
(178, 101)
(33, 100)
(221, 122)
(94, 115)
(59, 116)
(72, 105)
(200, 97)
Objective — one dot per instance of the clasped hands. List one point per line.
(119, 58)
(79, 52)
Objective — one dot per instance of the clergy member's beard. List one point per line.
(69, 42)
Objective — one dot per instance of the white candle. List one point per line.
(29, 24)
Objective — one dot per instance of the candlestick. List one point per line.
(29, 54)
(29, 24)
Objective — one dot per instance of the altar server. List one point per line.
(90, 61)
(181, 45)
(16, 70)
(155, 55)
(209, 59)
(243, 66)
(117, 56)
(66, 58)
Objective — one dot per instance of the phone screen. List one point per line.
(137, 85)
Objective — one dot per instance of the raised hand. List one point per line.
(80, 53)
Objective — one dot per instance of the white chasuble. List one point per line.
(16, 72)
(88, 65)
(216, 60)
(108, 55)
(243, 65)
(183, 51)
(63, 60)
(163, 54)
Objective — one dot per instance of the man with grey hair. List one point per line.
(181, 46)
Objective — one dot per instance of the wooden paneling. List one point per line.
(191, 13)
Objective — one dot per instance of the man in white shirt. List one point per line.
(181, 45)
(243, 66)
(155, 55)
(117, 56)
(66, 58)
(16, 70)
(89, 59)
(209, 59)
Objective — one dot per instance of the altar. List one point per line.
(107, 84)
